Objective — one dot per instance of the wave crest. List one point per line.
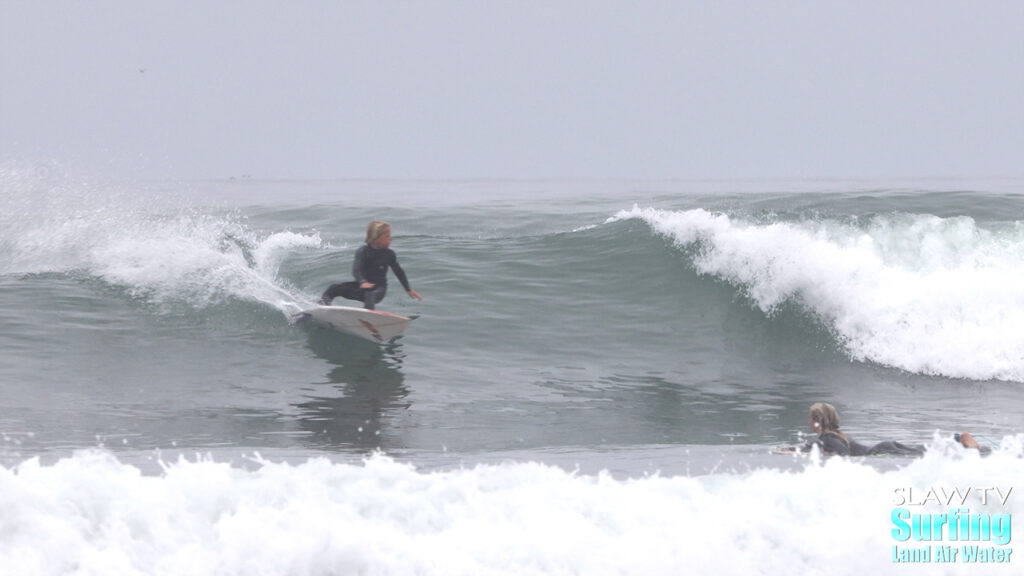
(929, 295)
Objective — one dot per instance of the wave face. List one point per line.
(918, 292)
(924, 293)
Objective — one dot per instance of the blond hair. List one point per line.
(827, 418)
(375, 230)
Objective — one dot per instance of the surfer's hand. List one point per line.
(415, 295)
(367, 285)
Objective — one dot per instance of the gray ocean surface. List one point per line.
(620, 325)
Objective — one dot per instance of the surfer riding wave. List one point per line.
(370, 270)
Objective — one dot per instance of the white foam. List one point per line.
(91, 514)
(930, 295)
(163, 254)
(197, 258)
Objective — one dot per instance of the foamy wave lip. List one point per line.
(51, 224)
(917, 292)
(195, 258)
(191, 257)
(92, 514)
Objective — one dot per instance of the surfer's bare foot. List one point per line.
(968, 441)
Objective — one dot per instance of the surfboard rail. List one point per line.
(373, 325)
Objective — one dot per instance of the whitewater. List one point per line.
(91, 514)
(922, 293)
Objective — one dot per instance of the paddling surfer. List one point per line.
(824, 420)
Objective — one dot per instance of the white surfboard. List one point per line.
(372, 325)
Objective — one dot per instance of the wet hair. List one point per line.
(827, 418)
(375, 230)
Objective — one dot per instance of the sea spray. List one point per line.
(158, 253)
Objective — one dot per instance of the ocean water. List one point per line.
(595, 383)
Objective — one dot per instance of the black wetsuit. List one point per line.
(834, 444)
(370, 265)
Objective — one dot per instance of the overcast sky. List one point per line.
(515, 89)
